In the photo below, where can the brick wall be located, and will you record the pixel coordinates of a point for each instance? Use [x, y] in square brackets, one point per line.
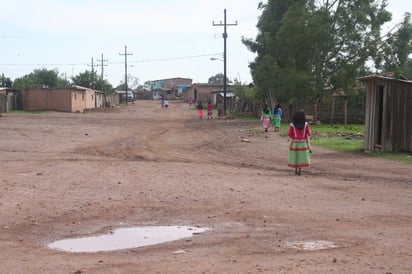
[68, 100]
[90, 99]
[34, 99]
[77, 101]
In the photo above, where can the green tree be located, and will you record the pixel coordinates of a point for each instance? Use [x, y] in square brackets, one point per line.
[5, 81]
[218, 79]
[88, 78]
[408, 72]
[304, 46]
[40, 78]
[395, 50]
[247, 97]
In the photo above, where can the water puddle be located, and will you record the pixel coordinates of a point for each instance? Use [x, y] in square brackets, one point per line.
[312, 245]
[124, 238]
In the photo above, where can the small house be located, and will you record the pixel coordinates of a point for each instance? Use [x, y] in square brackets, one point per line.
[71, 99]
[388, 114]
[208, 92]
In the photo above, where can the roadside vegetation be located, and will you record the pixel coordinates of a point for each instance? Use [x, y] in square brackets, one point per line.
[350, 139]
[337, 137]
[27, 112]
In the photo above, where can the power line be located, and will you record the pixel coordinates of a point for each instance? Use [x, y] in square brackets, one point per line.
[132, 61]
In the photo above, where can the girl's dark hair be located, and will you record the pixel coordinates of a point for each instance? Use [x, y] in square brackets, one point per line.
[266, 109]
[277, 107]
[299, 119]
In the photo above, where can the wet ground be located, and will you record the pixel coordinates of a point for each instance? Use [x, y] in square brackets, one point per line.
[67, 176]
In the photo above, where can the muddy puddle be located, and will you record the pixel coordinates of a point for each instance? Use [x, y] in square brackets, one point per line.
[124, 238]
[312, 245]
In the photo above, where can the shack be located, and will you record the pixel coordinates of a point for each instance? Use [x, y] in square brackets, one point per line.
[388, 113]
[70, 99]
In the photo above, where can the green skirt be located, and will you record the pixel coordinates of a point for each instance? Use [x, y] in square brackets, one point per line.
[299, 155]
[276, 122]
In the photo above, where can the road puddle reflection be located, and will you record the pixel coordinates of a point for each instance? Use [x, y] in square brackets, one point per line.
[124, 238]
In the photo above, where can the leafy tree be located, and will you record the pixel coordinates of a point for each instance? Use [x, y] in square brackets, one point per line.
[132, 83]
[88, 78]
[40, 78]
[5, 81]
[408, 73]
[84, 79]
[247, 97]
[304, 46]
[218, 79]
[395, 50]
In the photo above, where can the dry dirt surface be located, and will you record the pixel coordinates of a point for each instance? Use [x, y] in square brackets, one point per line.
[68, 175]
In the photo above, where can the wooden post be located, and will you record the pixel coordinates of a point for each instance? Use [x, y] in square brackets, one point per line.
[333, 111]
[345, 112]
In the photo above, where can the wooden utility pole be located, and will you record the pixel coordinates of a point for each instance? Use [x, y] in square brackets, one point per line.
[224, 55]
[102, 65]
[125, 67]
[92, 74]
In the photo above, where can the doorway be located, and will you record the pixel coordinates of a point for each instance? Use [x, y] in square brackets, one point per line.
[379, 117]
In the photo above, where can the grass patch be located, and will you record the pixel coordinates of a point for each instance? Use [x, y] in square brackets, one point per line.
[339, 143]
[335, 129]
[27, 112]
[350, 139]
[405, 157]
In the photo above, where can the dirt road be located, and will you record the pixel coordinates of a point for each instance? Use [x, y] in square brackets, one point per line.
[66, 175]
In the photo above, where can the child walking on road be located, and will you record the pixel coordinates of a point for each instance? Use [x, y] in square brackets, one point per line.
[200, 110]
[265, 118]
[277, 116]
[220, 111]
[299, 148]
[209, 111]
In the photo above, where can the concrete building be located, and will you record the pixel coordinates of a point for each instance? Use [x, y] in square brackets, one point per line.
[170, 88]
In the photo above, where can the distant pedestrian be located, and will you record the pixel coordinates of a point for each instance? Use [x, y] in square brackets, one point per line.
[166, 104]
[299, 147]
[277, 117]
[200, 110]
[190, 101]
[162, 102]
[209, 110]
[220, 111]
[265, 118]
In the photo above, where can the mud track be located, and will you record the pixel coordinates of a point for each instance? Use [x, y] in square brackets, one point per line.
[69, 175]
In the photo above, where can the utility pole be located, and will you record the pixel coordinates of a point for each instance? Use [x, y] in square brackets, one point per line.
[224, 55]
[92, 80]
[102, 65]
[125, 67]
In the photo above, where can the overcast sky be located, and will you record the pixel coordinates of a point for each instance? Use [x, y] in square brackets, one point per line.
[166, 38]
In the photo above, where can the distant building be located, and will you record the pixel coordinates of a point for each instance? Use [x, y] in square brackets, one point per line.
[170, 88]
[209, 92]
